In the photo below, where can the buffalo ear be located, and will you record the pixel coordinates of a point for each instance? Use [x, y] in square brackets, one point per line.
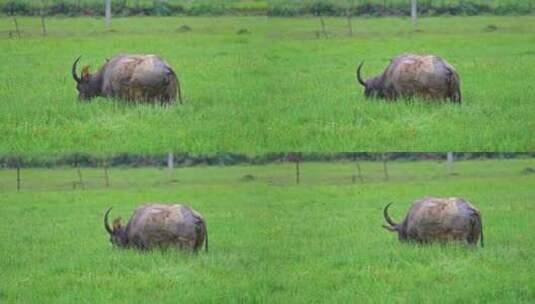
[85, 72]
[117, 223]
[389, 228]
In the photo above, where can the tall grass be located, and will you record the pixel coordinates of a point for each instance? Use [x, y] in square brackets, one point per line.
[270, 240]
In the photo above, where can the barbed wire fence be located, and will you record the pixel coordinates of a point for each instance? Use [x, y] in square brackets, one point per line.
[350, 171]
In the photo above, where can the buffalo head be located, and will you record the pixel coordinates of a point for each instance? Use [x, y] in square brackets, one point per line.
[87, 84]
[373, 87]
[392, 226]
[118, 235]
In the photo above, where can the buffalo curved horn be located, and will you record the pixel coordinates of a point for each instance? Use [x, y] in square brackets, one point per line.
[106, 224]
[388, 219]
[74, 74]
[359, 77]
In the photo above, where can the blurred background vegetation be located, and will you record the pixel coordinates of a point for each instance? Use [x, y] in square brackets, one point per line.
[266, 7]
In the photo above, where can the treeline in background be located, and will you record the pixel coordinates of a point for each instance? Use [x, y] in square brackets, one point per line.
[228, 159]
[264, 7]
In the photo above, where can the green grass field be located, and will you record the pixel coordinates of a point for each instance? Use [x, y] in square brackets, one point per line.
[278, 88]
[271, 241]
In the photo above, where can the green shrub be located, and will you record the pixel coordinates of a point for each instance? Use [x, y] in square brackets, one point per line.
[207, 9]
[14, 7]
[322, 8]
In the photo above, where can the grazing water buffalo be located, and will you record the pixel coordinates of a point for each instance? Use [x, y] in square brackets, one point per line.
[160, 226]
[129, 77]
[438, 219]
[429, 77]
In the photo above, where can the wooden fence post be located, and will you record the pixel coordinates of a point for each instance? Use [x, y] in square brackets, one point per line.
[385, 168]
[42, 15]
[297, 173]
[170, 161]
[295, 157]
[79, 173]
[107, 13]
[349, 25]
[106, 176]
[43, 27]
[359, 171]
[414, 14]
[80, 180]
[450, 162]
[323, 26]
[16, 26]
[18, 174]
